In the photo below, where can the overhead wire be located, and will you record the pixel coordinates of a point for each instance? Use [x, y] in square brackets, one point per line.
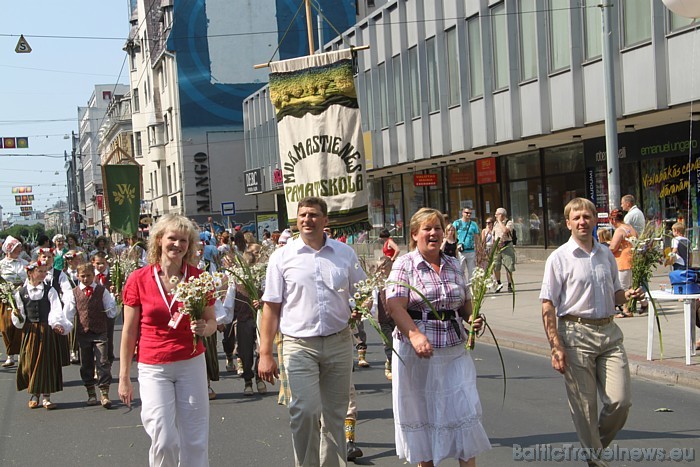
[253, 33]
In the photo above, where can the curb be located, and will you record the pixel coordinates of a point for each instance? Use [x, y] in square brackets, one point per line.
[639, 367]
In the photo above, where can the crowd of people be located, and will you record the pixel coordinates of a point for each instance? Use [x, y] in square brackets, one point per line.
[66, 308]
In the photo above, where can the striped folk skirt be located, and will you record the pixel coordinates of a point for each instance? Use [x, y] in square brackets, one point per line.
[39, 370]
[11, 336]
[211, 357]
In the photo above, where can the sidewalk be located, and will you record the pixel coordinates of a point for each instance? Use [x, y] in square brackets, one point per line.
[522, 329]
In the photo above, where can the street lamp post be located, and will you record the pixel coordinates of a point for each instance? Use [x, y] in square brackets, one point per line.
[610, 109]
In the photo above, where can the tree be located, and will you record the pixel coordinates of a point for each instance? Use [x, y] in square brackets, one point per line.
[27, 232]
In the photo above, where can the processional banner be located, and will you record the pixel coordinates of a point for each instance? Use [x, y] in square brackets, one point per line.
[320, 136]
[123, 189]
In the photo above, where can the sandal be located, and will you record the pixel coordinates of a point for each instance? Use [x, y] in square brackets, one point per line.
[33, 401]
[624, 315]
[48, 405]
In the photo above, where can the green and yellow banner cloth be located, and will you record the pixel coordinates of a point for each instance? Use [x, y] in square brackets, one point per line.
[122, 188]
[320, 136]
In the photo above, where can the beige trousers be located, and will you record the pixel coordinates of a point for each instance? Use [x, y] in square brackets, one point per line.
[596, 366]
[319, 371]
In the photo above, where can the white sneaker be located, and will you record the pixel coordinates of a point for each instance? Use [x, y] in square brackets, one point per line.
[499, 287]
[9, 362]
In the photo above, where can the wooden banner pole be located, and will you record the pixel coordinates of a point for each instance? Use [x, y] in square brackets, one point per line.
[309, 27]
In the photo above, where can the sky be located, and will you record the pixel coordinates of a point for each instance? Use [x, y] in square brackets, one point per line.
[40, 92]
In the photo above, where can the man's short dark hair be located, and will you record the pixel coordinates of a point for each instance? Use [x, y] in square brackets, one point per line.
[42, 239]
[313, 201]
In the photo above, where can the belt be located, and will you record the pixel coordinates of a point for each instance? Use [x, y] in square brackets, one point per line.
[336, 333]
[589, 321]
[446, 315]
[319, 337]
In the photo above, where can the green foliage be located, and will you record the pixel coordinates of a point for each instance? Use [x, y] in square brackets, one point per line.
[25, 231]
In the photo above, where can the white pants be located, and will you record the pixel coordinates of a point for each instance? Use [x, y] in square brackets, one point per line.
[175, 412]
[319, 371]
[468, 264]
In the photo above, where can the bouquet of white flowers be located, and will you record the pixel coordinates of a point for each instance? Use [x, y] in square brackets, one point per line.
[121, 266]
[195, 293]
[7, 296]
[250, 276]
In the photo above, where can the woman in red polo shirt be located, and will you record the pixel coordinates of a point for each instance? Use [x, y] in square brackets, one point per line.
[172, 377]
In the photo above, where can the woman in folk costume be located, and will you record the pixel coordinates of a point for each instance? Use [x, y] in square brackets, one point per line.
[58, 280]
[12, 270]
[40, 317]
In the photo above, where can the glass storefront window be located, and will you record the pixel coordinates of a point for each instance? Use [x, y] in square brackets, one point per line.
[564, 159]
[559, 190]
[436, 195]
[376, 207]
[461, 198]
[393, 207]
[526, 211]
[666, 198]
[524, 165]
[414, 198]
[459, 177]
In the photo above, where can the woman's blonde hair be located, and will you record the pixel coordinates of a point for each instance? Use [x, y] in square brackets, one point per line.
[176, 223]
[604, 236]
[422, 216]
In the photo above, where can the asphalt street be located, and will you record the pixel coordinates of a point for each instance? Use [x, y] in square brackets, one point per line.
[254, 431]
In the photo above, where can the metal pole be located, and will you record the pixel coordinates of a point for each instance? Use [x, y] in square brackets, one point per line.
[610, 110]
[309, 27]
[319, 25]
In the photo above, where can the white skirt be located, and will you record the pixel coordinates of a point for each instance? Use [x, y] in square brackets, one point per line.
[437, 412]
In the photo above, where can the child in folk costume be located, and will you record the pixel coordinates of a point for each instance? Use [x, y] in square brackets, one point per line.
[99, 262]
[91, 304]
[39, 368]
[12, 270]
[73, 259]
[60, 283]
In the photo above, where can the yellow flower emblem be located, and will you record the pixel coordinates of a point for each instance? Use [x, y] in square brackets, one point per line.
[124, 193]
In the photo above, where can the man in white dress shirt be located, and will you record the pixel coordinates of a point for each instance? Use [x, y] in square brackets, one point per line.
[307, 291]
[581, 283]
[634, 216]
